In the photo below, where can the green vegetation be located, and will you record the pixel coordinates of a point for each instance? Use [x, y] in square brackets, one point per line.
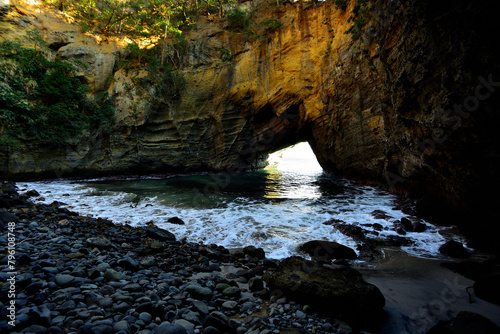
[161, 74]
[270, 24]
[226, 55]
[359, 18]
[42, 100]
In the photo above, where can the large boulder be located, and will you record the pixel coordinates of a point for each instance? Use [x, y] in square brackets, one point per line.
[327, 250]
[454, 249]
[339, 292]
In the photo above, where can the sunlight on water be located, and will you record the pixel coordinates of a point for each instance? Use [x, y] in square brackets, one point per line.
[291, 173]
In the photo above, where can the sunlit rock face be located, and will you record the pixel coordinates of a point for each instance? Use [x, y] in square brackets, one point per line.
[372, 107]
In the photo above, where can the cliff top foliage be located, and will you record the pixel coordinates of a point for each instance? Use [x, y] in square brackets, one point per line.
[42, 99]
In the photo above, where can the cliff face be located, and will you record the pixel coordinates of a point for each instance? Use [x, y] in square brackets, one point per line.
[411, 102]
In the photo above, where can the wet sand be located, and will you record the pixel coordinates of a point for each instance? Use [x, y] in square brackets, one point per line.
[419, 292]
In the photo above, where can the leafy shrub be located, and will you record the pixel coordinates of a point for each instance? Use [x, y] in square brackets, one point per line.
[238, 19]
[40, 99]
[271, 24]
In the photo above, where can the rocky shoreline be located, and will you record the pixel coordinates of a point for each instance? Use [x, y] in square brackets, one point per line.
[75, 274]
[85, 275]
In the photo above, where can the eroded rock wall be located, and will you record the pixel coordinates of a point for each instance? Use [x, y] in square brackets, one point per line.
[374, 108]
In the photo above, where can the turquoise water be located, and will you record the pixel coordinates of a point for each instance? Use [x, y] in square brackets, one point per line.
[277, 209]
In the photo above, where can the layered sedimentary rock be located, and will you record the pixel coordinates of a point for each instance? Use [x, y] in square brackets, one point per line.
[409, 102]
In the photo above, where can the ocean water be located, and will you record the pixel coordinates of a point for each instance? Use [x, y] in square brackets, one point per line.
[277, 208]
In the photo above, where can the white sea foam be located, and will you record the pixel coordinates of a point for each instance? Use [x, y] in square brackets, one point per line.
[278, 227]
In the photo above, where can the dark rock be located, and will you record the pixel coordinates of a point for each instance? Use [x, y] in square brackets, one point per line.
[454, 249]
[350, 230]
[419, 227]
[99, 242]
[211, 330]
[199, 292]
[340, 291]
[192, 317]
[121, 326]
[186, 324]
[36, 329]
[487, 287]
[218, 320]
[64, 280]
[200, 307]
[102, 329]
[40, 315]
[398, 227]
[465, 323]
[396, 241]
[31, 193]
[232, 291]
[255, 284]
[121, 307]
[159, 234]
[168, 328]
[132, 287]
[255, 252]
[128, 263]
[176, 221]
[379, 214]
[406, 224]
[327, 250]
[7, 217]
[105, 303]
[67, 306]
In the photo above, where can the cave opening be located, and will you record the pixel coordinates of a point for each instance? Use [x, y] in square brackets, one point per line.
[294, 158]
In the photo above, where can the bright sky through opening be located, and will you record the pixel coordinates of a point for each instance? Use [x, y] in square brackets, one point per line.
[297, 158]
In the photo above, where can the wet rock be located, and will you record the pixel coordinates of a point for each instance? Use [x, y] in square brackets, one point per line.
[64, 280]
[186, 324]
[327, 250]
[339, 291]
[36, 329]
[159, 234]
[146, 317]
[168, 328]
[406, 224]
[199, 292]
[255, 284]
[111, 275]
[176, 221]
[201, 307]
[128, 263]
[232, 291]
[211, 330]
[454, 249]
[253, 251]
[102, 329]
[419, 227]
[40, 315]
[353, 231]
[7, 217]
[218, 320]
[121, 326]
[99, 242]
[230, 305]
[465, 322]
